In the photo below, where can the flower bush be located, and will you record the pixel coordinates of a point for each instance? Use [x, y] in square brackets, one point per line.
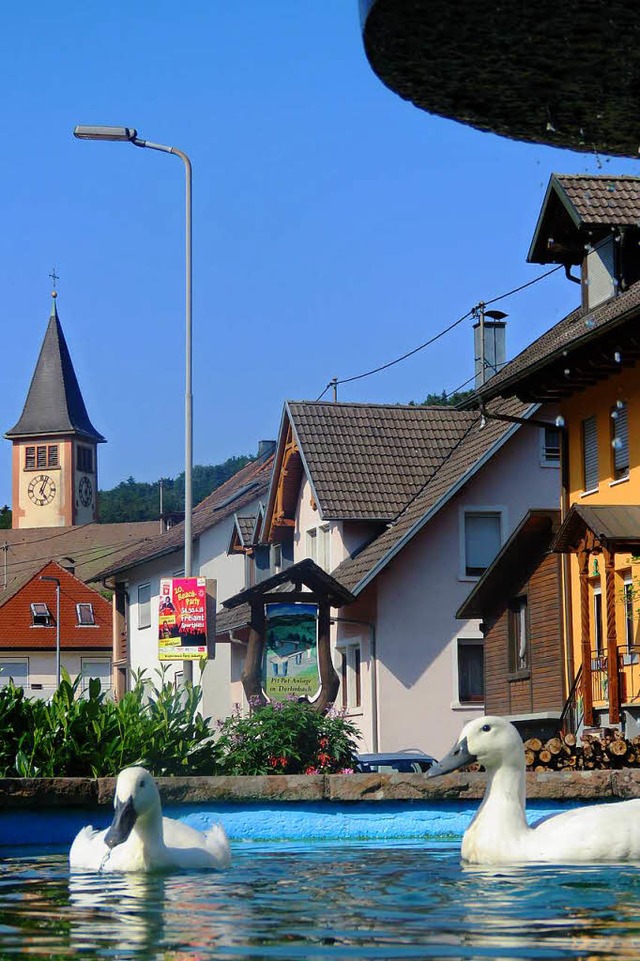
[287, 738]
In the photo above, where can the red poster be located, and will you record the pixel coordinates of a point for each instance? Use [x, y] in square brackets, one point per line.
[182, 619]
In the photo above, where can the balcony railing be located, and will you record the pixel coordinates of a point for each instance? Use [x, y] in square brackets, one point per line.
[628, 675]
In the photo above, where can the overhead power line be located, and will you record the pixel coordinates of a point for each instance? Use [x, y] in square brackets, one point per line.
[376, 370]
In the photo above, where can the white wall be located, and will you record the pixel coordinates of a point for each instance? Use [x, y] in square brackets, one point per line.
[420, 591]
[210, 559]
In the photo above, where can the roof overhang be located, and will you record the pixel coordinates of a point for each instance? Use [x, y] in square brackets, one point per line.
[305, 573]
[558, 72]
[615, 528]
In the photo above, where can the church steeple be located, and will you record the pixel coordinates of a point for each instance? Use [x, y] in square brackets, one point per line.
[54, 443]
[54, 403]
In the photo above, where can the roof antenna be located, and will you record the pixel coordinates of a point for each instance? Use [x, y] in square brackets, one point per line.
[334, 383]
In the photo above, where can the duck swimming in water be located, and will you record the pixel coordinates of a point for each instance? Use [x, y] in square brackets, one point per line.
[141, 839]
[499, 832]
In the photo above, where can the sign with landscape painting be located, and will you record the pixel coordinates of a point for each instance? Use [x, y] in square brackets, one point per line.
[291, 651]
[182, 619]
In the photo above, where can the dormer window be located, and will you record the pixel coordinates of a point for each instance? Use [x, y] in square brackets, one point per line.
[40, 615]
[86, 617]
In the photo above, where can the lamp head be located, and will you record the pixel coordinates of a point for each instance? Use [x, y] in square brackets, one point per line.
[105, 133]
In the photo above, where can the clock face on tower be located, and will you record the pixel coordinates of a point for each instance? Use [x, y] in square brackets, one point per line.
[85, 491]
[41, 490]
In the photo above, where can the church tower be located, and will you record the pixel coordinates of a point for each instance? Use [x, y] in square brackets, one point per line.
[55, 469]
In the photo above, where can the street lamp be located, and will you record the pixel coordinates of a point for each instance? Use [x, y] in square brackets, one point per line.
[48, 577]
[130, 135]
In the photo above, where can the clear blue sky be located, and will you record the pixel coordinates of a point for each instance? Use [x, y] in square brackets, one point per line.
[335, 226]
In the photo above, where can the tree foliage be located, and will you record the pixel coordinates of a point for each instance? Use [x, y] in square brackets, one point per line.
[133, 500]
[5, 518]
[444, 400]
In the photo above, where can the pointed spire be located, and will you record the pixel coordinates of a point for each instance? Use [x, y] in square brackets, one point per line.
[54, 403]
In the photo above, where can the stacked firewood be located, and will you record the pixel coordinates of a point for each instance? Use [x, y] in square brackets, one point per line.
[595, 752]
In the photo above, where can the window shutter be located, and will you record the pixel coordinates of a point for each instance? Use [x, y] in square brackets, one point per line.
[620, 441]
[590, 444]
[481, 541]
[601, 272]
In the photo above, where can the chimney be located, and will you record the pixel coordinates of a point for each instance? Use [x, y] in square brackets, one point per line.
[266, 447]
[68, 564]
[489, 341]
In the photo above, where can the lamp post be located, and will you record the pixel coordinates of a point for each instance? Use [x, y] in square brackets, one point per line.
[48, 577]
[130, 135]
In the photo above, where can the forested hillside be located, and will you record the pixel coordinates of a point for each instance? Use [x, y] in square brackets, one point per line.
[135, 500]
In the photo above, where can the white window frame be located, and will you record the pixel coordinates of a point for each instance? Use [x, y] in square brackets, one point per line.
[144, 607]
[349, 668]
[92, 614]
[465, 641]
[546, 458]
[85, 670]
[628, 607]
[474, 510]
[40, 609]
[318, 545]
[598, 621]
[5, 676]
[620, 441]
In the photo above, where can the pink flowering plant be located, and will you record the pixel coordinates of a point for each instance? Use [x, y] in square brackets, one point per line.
[285, 738]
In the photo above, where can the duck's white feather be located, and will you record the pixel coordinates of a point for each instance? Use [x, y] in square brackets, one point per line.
[499, 832]
[156, 843]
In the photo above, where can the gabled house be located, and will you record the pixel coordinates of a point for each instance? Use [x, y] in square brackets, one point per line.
[518, 602]
[33, 639]
[135, 579]
[588, 365]
[405, 507]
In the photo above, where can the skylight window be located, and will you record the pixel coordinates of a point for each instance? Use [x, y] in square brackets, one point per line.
[41, 615]
[86, 617]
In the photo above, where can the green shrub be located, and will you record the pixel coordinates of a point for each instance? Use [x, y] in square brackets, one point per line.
[288, 738]
[153, 725]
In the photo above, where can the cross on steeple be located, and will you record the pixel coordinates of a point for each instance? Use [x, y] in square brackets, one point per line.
[54, 277]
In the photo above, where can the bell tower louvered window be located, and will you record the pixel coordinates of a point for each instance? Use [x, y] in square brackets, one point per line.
[620, 440]
[590, 453]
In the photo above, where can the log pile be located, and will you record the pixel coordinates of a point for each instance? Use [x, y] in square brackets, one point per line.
[594, 752]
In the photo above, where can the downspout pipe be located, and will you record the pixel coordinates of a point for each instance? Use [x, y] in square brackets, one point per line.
[374, 674]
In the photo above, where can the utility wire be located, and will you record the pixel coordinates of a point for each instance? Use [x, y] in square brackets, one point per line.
[376, 370]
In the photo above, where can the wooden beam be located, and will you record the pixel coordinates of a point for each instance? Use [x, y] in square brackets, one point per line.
[612, 641]
[585, 639]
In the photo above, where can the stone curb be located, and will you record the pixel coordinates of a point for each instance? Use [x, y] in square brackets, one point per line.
[545, 785]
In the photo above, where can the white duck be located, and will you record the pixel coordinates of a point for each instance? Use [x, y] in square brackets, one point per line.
[140, 839]
[499, 832]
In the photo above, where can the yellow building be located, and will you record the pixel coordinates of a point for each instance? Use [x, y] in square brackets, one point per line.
[588, 364]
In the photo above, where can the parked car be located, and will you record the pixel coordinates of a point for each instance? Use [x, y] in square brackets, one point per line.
[406, 762]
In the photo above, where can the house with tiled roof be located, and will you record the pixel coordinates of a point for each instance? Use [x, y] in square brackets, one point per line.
[404, 506]
[54, 500]
[588, 364]
[134, 577]
[50, 620]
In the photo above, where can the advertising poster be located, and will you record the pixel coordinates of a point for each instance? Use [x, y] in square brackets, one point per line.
[182, 619]
[291, 651]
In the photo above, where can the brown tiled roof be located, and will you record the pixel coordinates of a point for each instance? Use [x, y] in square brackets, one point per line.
[365, 461]
[246, 525]
[90, 546]
[250, 482]
[577, 329]
[610, 201]
[469, 454]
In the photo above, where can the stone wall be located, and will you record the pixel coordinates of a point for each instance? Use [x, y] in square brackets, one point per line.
[337, 788]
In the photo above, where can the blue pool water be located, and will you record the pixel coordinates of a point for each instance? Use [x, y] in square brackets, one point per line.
[324, 900]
